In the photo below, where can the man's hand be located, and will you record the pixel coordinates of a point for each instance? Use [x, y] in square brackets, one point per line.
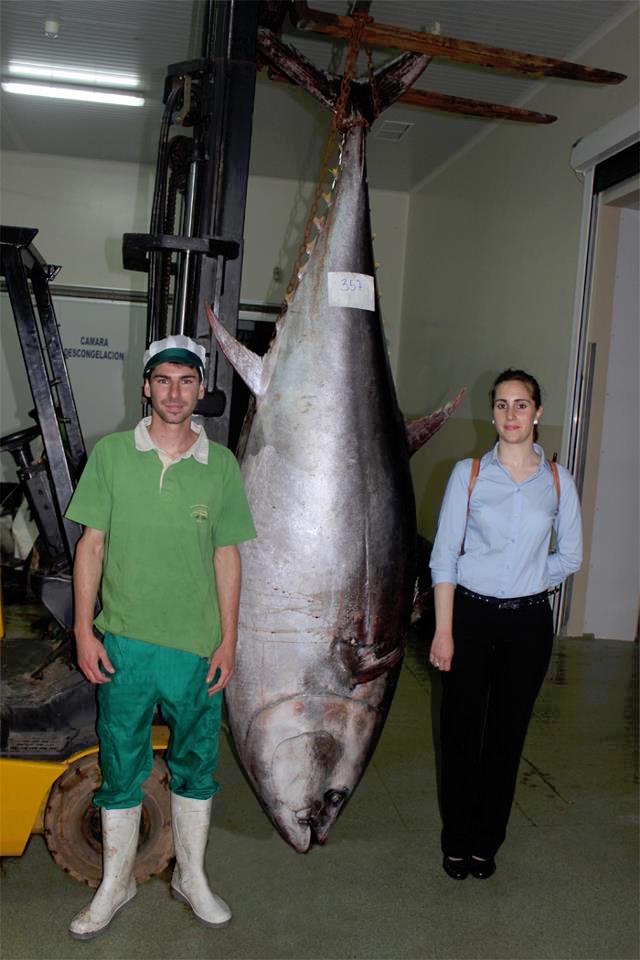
[87, 571]
[228, 570]
[223, 659]
[91, 653]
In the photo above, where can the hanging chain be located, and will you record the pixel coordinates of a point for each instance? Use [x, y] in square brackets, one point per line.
[339, 123]
[360, 21]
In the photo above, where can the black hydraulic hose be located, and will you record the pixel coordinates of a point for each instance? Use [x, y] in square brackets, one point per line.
[157, 215]
[205, 52]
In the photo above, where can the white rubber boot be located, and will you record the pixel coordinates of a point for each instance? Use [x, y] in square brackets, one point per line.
[190, 821]
[120, 829]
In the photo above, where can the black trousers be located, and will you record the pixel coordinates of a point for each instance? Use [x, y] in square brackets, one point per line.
[500, 660]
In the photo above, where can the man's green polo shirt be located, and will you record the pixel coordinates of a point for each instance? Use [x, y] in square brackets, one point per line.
[162, 525]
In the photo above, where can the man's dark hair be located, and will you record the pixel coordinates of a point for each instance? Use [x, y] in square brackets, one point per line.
[176, 363]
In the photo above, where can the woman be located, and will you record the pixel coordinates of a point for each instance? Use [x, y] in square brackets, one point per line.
[492, 570]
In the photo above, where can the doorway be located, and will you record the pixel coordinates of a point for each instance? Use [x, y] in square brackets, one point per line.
[600, 436]
[604, 595]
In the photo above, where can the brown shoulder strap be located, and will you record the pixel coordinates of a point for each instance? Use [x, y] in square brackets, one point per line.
[475, 470]
[473, 476]
[556, 478]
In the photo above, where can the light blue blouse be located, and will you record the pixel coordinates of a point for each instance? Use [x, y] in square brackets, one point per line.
[508, 531]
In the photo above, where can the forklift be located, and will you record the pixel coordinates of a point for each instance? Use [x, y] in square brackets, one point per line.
[49, 767]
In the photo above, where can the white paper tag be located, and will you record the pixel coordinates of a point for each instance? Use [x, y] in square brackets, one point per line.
[353, 290]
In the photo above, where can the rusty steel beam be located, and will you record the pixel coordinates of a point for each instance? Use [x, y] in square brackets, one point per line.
[473, 108]
[431, 101]
[448, 48]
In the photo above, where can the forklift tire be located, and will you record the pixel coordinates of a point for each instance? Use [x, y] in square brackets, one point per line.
[72, 825]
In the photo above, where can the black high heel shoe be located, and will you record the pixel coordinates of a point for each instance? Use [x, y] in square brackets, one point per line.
[482, 869]
[457, 869]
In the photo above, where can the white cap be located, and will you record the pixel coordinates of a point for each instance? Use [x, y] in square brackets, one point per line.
[176, 349]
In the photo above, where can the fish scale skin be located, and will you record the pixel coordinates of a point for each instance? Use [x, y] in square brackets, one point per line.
[328, 583]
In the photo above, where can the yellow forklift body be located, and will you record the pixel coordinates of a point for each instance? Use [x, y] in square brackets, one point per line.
[25, 787]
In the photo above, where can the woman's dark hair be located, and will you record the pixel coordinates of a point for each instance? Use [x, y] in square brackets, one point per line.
[530, 382]
[523, 377]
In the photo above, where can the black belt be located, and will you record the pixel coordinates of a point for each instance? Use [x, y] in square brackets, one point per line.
[509, 603]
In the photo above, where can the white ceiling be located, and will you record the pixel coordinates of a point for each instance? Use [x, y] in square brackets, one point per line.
[144, 36]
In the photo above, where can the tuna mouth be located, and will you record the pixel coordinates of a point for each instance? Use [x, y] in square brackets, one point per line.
[305, 827]
[318, 814]
[315, 836]
[298, 833]
[318, 837]
[317, 811]
[305, 816]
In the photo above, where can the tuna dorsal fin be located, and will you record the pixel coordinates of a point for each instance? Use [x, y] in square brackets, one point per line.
[419, 431]
[244, 361]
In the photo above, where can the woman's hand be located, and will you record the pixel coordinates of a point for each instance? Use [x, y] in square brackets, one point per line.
[442, 644]
[441, 653]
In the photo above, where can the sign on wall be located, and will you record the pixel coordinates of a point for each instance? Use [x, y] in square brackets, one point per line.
[103, 343]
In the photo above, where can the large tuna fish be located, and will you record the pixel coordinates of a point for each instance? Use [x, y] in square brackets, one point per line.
[328, 584]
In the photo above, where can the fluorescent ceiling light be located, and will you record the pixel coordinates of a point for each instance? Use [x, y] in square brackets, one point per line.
[72, 93]
[44, 71]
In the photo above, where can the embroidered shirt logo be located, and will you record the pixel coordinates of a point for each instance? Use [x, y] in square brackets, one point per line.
[200, 512]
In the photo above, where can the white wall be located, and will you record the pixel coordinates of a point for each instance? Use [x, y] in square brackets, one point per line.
[82, 208]
[491, 264]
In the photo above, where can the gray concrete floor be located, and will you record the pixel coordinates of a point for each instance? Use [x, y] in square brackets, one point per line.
[567, 879]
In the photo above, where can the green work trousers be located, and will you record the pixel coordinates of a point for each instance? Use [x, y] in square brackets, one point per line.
[148, 675]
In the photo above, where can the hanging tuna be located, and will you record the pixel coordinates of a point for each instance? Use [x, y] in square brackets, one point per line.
[328, 584]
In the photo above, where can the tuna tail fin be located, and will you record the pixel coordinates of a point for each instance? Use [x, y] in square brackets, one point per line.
[391, 80]
[245, 362]
[288, 61]
[394, 78]
[419, 431]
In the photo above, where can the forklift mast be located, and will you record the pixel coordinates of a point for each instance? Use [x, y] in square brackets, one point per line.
[193, 251]
[47, 481]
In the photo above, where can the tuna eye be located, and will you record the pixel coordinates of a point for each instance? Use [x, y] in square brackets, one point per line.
[334, 797]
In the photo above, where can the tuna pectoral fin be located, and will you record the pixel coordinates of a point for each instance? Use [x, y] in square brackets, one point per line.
[371, 667]
[419, 431]
[422, 604]
[244, 361]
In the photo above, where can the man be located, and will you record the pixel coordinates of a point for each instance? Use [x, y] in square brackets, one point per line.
[163, 509]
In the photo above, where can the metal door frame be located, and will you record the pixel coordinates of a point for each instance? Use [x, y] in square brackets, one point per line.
[587, 153]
